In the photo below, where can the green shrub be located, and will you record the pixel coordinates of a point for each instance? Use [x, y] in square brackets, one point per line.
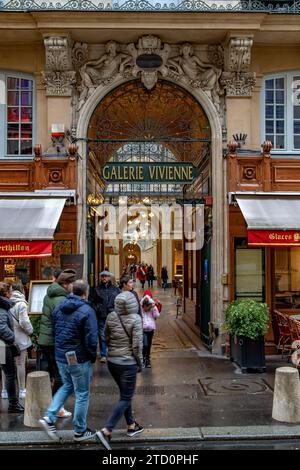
[247, 318]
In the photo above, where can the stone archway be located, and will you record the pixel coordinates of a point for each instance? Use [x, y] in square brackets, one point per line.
[219, 240]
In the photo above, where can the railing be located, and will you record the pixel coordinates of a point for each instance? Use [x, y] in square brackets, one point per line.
[229, 6]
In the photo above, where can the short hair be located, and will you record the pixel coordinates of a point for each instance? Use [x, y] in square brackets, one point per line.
[18, 287]
[80, 287]
[4, 288]
[57, 272]
[124, 280]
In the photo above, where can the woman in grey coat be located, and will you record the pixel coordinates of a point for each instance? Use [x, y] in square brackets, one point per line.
[7, 336]
[124, 337]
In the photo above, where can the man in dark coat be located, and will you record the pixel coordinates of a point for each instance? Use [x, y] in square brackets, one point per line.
[75, 337]
[103, 301]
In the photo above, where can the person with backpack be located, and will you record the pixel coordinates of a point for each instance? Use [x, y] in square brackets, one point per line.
[103, 301]
[149, 313]
[23, 329]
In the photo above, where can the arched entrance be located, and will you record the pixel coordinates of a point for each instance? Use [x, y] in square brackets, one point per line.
[182, 131]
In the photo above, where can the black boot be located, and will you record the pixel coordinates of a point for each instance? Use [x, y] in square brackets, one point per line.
[15, 406]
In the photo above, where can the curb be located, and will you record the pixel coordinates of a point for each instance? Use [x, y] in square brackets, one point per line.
[228, 433]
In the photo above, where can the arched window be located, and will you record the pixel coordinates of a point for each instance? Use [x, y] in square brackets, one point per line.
[16, 114]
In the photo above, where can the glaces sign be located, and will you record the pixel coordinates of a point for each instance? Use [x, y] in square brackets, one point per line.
[176, 172]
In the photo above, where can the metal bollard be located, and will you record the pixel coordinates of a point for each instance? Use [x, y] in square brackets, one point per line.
[38, 397]
[286, 399]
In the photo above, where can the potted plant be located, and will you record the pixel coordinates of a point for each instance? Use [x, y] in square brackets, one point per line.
[247, 321]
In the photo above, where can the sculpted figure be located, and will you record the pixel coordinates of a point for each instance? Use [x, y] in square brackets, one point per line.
[196, 70]
[95, 71]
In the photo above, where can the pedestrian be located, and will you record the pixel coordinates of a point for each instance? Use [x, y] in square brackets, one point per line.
[127, 285]
[103, 300]
[158, 303]
[75, 336]
[141, 274]
[22, 329]
[124, 334]
[164, 277]
[149, 313]
[150, 275]
[56, 293]
[8, 349]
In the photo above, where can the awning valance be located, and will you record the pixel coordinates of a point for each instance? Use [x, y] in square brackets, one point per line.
[272, 220]
[29, 219]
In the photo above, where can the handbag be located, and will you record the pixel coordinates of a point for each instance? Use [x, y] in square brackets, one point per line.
[15, 350]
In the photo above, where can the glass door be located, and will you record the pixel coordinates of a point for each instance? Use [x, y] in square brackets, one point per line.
[249, 271]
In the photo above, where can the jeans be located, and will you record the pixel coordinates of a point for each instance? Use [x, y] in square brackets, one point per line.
[147, 343]
[47, 363]
[125, 378]
[101, 334]
[9, 369]
[77, 379]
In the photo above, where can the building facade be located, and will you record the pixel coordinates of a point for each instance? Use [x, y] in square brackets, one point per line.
[136, 83]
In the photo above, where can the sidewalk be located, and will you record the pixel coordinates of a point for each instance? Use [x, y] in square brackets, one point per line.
[188, 395]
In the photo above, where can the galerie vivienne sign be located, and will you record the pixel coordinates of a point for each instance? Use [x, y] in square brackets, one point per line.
[177, 172]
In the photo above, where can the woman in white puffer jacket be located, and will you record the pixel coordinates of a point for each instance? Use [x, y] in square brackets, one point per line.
[22, 329]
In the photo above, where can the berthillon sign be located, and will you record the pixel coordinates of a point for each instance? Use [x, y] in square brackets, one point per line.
[176, 173]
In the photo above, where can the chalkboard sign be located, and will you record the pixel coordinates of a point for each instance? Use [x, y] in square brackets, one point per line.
[73, 262]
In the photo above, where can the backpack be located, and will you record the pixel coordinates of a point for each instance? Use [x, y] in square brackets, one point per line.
[158, 304]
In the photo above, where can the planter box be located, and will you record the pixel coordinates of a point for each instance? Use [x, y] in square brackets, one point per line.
[248, 354]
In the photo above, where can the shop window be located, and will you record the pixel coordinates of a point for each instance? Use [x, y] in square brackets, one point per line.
[16, 115]
[249, 271]
[281, 111]
[287, 277]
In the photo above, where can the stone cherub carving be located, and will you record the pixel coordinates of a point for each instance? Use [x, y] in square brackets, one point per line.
[198, 73]
[95, 72]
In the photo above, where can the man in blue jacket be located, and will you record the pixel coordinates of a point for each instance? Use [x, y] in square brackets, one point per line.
[75, 339]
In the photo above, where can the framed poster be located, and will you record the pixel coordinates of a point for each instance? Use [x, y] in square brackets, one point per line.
[37, 292]
[73, 262]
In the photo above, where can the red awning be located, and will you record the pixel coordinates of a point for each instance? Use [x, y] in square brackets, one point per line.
[274, 238]
[25, 249]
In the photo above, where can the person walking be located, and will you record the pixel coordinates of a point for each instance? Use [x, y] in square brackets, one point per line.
[149, 313]
[124, 334]
[150, 276]
[127, 285]
[102, 301]
[7, 336]
[76, 338]
[22, 329]
[56, 293]
[164, 277]
[142, 274]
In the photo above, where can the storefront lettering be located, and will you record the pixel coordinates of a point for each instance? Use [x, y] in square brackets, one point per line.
[14, 248]
[147, 173]
[277, 236]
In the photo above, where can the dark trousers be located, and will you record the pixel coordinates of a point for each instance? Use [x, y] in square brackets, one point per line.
[9, 370]
[47, 363]
[147, 343]
[125, 378]
[150, 282]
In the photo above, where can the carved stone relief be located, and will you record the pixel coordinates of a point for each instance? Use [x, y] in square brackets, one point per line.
[237, 79]
[149, 59]
[59, 76]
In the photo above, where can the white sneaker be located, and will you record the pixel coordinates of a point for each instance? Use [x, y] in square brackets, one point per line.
[22, 393]
[62, 413]
[49, 428]
[4, 394]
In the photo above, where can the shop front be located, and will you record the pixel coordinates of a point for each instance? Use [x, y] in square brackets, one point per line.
[265, 239]
[33, 237]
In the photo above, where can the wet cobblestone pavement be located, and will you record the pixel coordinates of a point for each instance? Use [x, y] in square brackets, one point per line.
[186, 387]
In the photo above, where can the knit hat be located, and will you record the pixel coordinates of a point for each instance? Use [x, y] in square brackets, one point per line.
[148, 300]
[67, 276]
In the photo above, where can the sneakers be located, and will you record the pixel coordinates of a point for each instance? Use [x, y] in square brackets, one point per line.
[104, 439]
[84, 436]
[136, 430]
[62, 413]
[103, 360]
[49, 428]
[15, 407]
[148, 364]
[22, 393]
[4, 394]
